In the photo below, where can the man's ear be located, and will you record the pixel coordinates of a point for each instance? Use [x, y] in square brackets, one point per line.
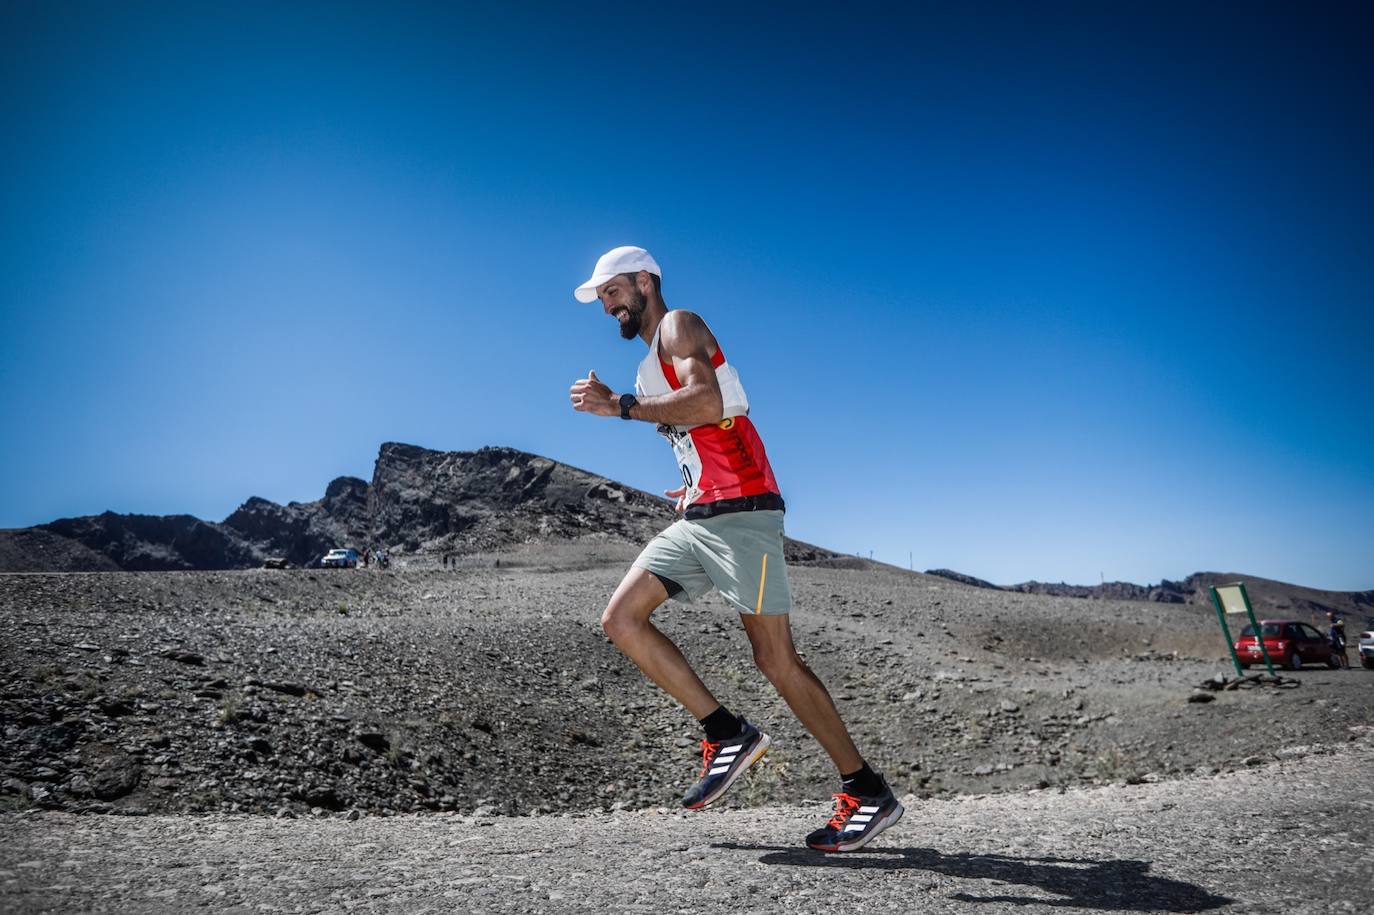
[645, 283]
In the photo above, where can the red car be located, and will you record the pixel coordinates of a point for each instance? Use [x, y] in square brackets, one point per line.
[1291, 643]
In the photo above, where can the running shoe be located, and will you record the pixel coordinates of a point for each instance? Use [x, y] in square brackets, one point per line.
[724, 761]
[857, 821]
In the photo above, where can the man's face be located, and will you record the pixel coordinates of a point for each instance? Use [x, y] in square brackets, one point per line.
[622, 300]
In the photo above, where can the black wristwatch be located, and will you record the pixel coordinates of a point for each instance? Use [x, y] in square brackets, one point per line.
[626, 402]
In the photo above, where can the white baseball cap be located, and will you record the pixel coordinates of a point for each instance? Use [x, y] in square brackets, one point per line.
[625, 259]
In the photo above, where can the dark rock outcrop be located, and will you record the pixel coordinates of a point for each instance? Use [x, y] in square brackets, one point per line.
[462, 501]
[156, 543]
[963, 579]
[1166, 592]
[303, 531]
[33, 549]
[419, 501]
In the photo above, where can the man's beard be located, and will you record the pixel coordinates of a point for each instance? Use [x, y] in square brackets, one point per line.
[635, 314]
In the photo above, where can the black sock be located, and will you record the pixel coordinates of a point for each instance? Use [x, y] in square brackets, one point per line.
[721, 725]
[864, 783]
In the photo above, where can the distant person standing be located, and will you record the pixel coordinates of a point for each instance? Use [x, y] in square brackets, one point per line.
[730, 538]
[1336, 633]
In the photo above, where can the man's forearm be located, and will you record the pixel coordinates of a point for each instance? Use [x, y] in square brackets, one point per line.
[687, 406]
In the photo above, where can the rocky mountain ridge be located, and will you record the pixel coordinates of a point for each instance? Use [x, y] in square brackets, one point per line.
[420, 502]
[1268, 597]
[437, 505]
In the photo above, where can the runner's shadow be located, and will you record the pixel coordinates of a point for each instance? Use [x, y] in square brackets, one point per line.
[1118, 886]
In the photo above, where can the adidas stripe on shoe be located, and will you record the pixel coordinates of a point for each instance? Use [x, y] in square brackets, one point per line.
[857, 821]
[724, 761]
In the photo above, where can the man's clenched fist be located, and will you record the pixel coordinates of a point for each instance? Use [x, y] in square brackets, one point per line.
[590, 395]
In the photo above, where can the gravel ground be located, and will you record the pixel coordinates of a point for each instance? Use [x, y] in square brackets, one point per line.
[494, 689]
[1288, 837]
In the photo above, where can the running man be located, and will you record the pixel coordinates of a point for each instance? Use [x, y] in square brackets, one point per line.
[729, 538]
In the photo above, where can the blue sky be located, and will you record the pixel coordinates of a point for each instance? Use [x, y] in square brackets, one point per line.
[1054, 293]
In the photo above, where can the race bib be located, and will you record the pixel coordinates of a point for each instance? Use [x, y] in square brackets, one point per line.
[688, 461]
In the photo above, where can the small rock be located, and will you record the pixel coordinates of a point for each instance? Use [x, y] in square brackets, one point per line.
[115, 777]
[374, 740]
[1199, 695]
[290, 689]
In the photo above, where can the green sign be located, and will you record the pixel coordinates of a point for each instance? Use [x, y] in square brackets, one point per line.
[1232, 600]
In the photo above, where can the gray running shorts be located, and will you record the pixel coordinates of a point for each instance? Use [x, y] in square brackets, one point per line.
[739, 554]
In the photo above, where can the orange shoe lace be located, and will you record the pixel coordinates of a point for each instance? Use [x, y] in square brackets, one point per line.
[707, 749]
[845, 804]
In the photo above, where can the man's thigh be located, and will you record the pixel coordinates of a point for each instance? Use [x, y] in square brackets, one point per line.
[637, 596]
[674, 555]
[743, 555]
[770, 634]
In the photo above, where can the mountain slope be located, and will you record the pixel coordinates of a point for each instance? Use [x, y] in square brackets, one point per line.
[1269, 598]
[419, 501]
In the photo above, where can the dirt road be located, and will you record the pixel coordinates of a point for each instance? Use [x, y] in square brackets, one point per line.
[1292, 836]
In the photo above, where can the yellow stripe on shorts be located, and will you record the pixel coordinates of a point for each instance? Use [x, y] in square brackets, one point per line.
[763, 577]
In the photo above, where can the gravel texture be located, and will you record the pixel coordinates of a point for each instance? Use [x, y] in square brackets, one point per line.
[426, 739]
[1289, 837]
[282, 692]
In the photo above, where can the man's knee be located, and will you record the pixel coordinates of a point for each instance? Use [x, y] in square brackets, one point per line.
[616, 622]
[638, 596]
[623, 618]
[777, 663]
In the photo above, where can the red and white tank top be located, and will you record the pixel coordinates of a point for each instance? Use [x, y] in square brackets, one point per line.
[723, 460]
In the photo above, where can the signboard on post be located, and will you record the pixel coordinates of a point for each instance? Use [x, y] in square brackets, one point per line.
[1231, 600]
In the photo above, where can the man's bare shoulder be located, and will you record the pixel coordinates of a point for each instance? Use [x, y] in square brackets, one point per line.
[685, 334]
